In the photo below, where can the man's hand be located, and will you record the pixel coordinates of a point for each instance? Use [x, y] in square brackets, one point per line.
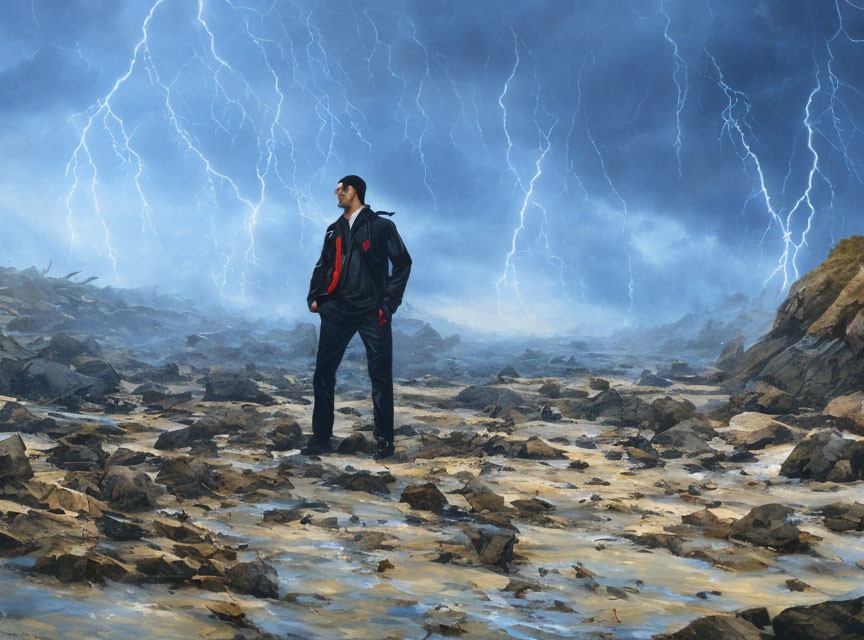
[314, 306]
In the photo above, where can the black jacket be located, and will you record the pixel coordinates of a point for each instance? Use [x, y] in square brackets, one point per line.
[354, 268]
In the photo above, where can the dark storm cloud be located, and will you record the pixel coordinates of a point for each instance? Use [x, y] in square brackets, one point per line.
[410, 96]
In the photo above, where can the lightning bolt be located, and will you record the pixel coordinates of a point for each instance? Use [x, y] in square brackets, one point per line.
[509, 275]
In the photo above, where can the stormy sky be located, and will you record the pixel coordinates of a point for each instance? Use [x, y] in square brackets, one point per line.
[554, 166]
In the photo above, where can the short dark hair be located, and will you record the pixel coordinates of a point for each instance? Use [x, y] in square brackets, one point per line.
[359, 185]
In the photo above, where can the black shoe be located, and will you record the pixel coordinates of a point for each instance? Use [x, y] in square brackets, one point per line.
[316, 447]
[385, 450]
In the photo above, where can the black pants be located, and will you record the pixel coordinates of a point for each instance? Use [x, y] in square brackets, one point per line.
[338, 326]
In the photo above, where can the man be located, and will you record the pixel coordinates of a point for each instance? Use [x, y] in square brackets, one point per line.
[353, 291]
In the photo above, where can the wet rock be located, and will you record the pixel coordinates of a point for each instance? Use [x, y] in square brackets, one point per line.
[124, 488]
[813, 347]
[79, 452]
[598, 384]
[550, 414]
[384, 565]
[715, 628]
[519, 587]
[579, 465]
[764, 398]
[286, 436]
[76, 563]
[461, 444]
[481, 497]
[14, 464]
[843, 516]
[475, 397]
[56, 497]
[492, 545]
[650, 379]
[185, 436]
[732, 355]
[371, 540]
[769, 525]
[849, 407]
[757, 616]
[118, 527]
[180, 530]
[151, 392]
[687, 436]
[227, 385]
[47, 380]
[364, 481]
[204, 449]
[64, 348]
[99, 369]
[188, 477]
[227, 611]
[641, 456]
[16, 417]
[125, 457]
[166, 567]
[825, 455]
[832, 620]
[754, 431]
[356, 443]
[532, 506]
[550, 390]
[256, 578]
[426, 497]
[10, 543]
[797, 586]
[537, 449]
[668, 412]
[507, 372]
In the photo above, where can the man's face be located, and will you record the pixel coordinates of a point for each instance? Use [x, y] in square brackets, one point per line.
[344, 194]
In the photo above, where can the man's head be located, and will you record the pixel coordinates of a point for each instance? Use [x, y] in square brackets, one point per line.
[350, 192]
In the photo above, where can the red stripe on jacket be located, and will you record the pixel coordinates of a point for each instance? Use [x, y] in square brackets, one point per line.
[337, 267]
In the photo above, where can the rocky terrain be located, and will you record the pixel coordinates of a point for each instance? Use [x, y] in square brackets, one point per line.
[151, 484]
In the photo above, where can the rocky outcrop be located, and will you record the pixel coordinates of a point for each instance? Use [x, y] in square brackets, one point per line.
[833, 620]
[227, 385]
[826, 455]
[815, 350]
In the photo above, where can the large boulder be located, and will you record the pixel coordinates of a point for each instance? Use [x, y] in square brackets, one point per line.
[732, 354]
[832, 620]
[427, 497]
[99, 369]
[64, 348]
[826, 455]
[769, 525]
[185, 436]
[16, 417]
[669, 412]
[227, 385]
[47, 379]
[124, 488]
[843, 516]
[492, 545]
[849, 407]
[718, 627]
[14, 464]
[256, 578]
[753, 430]
[764, 398]
[475, 397]
[814, 350]
[689, 436]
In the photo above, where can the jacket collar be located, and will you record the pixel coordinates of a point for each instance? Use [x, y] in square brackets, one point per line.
[364, 212]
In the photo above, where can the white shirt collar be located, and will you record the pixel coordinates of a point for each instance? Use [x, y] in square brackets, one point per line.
[353, 216]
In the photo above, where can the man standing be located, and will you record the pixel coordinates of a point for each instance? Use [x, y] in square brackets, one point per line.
[353, 290]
